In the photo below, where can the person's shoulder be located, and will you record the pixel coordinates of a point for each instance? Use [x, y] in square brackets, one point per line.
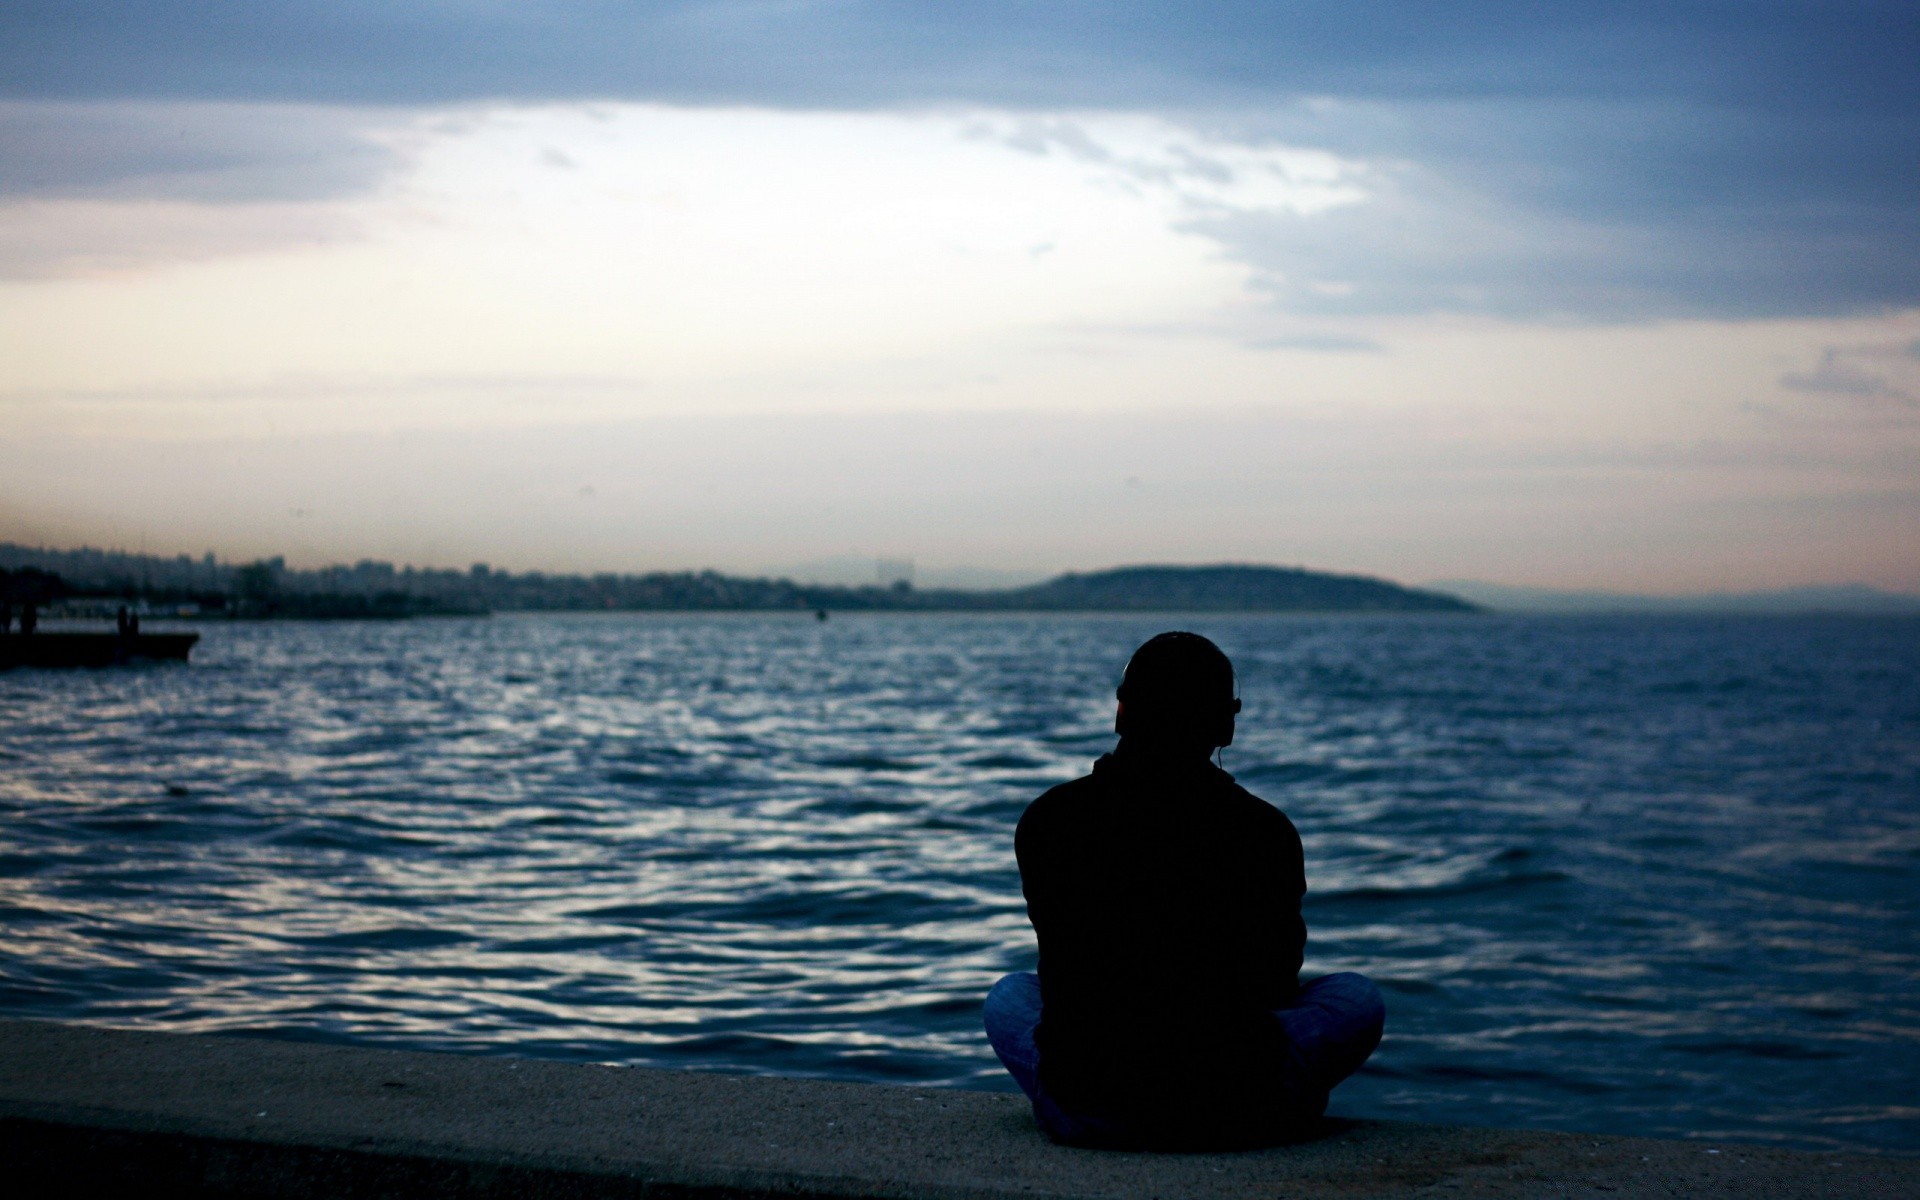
[1264, 814]
[1061, 799]
[1061, 806]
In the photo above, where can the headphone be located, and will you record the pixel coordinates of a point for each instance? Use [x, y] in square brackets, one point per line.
[1224, 715]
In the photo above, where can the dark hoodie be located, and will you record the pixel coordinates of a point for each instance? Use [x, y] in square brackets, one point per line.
[1166, 900]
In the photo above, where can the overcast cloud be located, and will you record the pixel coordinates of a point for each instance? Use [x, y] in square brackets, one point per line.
[1597, 161]
[208, 153]
[1592, 294]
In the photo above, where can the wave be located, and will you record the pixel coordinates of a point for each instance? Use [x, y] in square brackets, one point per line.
[1758, 1048]
[890, 908]
[391, 938]
[1438, 891]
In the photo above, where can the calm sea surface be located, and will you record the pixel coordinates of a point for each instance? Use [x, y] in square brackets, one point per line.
[1634, 875]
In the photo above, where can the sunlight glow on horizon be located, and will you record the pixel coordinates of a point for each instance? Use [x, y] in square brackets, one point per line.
[886, 289]
[668, 248]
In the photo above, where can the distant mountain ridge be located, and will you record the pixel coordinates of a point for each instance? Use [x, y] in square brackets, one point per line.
[1832, 598]
[1227, 587]
[377, 589]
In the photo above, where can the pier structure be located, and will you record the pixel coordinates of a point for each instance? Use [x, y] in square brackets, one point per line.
[91, 649]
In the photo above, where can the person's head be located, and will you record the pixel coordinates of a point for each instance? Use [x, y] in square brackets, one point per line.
[1177, 695]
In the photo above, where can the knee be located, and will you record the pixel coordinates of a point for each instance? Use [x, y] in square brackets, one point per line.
[1012, 1003]
[1359, 996]
[1019, 988]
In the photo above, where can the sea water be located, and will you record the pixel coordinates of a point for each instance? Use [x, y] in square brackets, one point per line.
[1632, 875]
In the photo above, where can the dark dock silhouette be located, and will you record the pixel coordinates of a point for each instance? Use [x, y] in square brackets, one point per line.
[91, 649]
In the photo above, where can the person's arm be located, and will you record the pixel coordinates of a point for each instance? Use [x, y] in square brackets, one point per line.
[1296, 923]
[1030, 853]
[1283, 930]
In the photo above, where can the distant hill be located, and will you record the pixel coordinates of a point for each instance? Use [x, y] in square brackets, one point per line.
[270, 588]
[1842, 598]
[1226, 588]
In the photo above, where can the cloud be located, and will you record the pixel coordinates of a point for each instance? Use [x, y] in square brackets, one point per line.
[205, 153]
[1522, 210]
[39, 240]
[1874, 371]
[1325, 343]
[1602, 161]
[110, 186]
[866, 53]
[1591, 209]
[1194, 174]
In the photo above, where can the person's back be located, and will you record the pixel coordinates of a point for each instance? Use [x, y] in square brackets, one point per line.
[1165, 898]
[1166, 902]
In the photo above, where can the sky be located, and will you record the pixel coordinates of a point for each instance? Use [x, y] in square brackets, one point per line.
[1619, 295]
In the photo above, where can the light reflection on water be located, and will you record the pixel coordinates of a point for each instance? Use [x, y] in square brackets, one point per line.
[1634, 875]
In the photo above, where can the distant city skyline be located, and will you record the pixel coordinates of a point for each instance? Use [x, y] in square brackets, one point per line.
[1621, 297]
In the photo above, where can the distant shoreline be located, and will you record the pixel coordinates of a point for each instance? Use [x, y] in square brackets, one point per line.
[1843, 599]
[208, 588]
[372, 590]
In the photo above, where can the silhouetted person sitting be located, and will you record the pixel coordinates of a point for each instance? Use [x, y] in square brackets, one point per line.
[29, 618]
[1168, 1010]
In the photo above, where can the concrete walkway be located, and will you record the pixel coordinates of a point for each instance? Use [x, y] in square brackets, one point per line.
[148, 1115]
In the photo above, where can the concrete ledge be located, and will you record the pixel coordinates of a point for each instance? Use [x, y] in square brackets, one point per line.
[159, 1115]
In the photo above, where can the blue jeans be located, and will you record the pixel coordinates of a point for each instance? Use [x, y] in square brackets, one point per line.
[1331, 1027]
